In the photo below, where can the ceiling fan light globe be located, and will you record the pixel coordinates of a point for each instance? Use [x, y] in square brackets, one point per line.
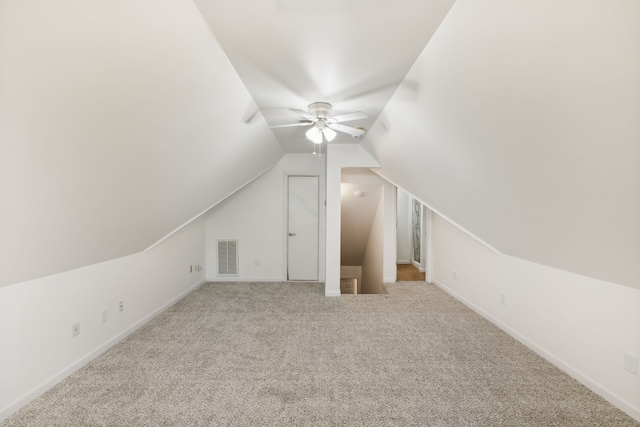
[314, 135]
[330, 134]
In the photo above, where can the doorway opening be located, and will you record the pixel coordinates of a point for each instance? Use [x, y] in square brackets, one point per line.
[413, 235]
[362, 232]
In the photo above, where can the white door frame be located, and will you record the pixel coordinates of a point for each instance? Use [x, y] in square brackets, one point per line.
[321, 223]
[428, 242]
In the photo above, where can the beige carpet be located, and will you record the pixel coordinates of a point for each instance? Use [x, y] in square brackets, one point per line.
[282, 354]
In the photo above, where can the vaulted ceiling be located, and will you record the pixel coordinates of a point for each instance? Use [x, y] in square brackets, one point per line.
[524, 131]
[121, 121]
[350, 53]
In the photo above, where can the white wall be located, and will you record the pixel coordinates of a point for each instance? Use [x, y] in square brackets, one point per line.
[403, 233]
[519, 122]
[119, 122]
[36, 343]
[583, 325]
[357, 215]
[372, 261]
[256, 216]
[389, 266]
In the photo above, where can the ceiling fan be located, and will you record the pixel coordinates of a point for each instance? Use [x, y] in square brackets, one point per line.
[324, 124]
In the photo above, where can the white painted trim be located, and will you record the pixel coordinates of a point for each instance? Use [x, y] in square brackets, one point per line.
[417, 265]
[285, 225]
[429, 243]
[617, 401]
[37, 391]
[423, 238]
[403, 261]
[211, 207]
[390, 252]
[321, 220]
[441, 215]
[248, 279]
[408, 230]
[332, 293]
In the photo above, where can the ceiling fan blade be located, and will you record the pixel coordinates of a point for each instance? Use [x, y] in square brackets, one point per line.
[304, 114]
[300, 123]
[357, 115]
[346, 129]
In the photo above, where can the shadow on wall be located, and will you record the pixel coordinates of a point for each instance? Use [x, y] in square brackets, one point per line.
[362, 232]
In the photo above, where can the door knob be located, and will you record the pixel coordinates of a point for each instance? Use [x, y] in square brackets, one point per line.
[292, 234]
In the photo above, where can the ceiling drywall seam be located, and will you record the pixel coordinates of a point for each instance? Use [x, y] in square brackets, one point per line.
[212, 206]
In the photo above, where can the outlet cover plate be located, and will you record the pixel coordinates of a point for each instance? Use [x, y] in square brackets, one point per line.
[75, 329]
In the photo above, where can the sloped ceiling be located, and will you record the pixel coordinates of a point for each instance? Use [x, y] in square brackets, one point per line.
[350, 53]
[119, 121]
[525, 131]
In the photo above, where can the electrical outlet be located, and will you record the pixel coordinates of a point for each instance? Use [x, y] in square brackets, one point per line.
[75, 330]
[503, 299]
[191, 269]
[455, 275]
[121, 306]
[104, 315]
[257, 263]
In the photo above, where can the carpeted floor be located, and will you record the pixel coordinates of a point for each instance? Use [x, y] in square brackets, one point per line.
[283, 354]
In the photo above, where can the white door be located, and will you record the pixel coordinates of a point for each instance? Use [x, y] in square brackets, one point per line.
[302, 229]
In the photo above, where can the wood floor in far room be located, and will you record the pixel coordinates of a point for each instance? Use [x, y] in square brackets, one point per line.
[409, 273]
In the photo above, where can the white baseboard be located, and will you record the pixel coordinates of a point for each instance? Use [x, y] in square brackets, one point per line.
[245, 279]
[389, 279]
[403, 261]
[16, 405]
[332, 293]
[620, 403]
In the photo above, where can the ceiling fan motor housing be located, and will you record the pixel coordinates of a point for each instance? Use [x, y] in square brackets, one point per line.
[320, 109]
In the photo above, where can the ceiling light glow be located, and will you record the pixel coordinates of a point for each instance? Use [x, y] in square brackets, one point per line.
[314, 135]
[330, 134]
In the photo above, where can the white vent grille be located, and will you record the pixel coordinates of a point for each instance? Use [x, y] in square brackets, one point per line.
[227, 257]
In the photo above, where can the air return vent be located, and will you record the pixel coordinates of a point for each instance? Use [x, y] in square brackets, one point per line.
[227, 257]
